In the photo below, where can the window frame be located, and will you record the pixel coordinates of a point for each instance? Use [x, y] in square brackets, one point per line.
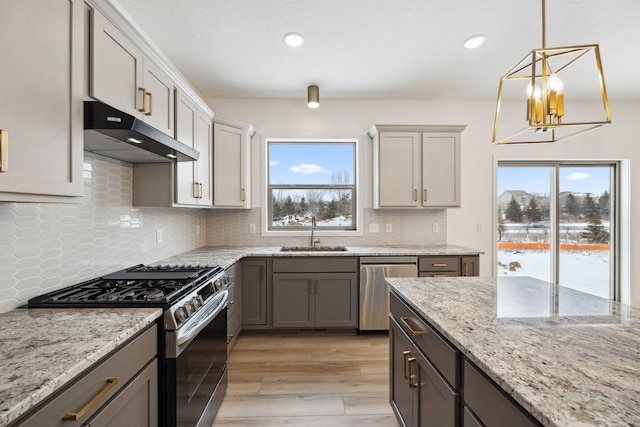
[616, 194]
[355, 229]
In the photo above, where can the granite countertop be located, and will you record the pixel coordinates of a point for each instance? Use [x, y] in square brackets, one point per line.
[227, 256]
[569, 358]
[43, 349]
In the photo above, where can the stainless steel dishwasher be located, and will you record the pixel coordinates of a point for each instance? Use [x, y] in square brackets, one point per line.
[374, 292]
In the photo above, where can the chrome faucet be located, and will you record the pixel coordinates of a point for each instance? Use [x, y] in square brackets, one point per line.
[314, 239]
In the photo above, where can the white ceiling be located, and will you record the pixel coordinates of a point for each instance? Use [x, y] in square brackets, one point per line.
[381, 49]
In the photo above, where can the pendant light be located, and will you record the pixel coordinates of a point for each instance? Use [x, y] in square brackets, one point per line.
[313, 97]
[543, 81]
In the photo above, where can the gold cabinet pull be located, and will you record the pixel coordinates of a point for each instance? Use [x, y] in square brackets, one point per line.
[405, 322]
[4, 150]
[73, 416]
[411, 360]
[439, 265]
[144, 100]
[415, 194]
[200, 189]
[148, 113]
[195, 190]
[466, 268]
[426, 195]
[405, 354]
[244, 194]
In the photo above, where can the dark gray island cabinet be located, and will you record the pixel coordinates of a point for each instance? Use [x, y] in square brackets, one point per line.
[315, 292]
[433, 384]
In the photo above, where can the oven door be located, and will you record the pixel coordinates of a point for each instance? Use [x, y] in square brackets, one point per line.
[196, 376]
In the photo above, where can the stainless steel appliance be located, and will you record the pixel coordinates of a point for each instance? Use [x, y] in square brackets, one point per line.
[192, 332]
[374, 292]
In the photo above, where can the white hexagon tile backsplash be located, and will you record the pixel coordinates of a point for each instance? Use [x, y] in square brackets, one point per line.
[44, 247]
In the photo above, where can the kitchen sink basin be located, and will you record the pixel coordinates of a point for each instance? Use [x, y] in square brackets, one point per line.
[313, 249]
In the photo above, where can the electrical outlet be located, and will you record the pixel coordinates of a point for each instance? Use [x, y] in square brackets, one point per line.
[374, 228]
[159, 235]
[479, 227]
[252, 228]
[388, 228]
[435, 227]
[197, 229]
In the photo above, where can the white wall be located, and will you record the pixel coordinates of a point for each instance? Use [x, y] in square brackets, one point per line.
[346, 118]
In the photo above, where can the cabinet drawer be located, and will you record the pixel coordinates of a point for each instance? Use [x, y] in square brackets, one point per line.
[232, 302]
[316, 265]
[443, 356]
[469, 420]
[124, 364]
[440, 263]
[438, 274]
[489, 403]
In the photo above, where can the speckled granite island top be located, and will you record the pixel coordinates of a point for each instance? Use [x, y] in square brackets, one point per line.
[569, 358]
[226, 256]
[43, 349]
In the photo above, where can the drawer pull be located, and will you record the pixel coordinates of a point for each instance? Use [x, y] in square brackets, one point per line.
[73, 416]
[150, 112]
[244, 194]
[405, 321]
[439, 265]
[411, 360]
[4, 150]
[405, 354]
[144, 100]
[415, 194]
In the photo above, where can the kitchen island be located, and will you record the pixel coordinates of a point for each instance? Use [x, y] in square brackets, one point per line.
[566, 357]
[43, 350]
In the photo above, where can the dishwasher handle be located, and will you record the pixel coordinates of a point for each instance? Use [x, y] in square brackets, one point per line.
[389, 260]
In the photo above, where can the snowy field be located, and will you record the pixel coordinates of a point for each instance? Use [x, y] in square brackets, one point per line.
[305, 221]
[586, 271]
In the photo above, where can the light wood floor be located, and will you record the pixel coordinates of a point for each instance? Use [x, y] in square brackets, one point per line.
[308, 380]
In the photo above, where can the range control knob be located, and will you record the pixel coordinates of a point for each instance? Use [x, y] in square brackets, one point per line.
[181, 314]
[197, 301]
[189, 307]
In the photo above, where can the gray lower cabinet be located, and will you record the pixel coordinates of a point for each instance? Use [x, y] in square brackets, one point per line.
[122, 390]
[234, 308]
[432, 384]
[315, 292]
[322, 300]
[449, 266]
[255, 293]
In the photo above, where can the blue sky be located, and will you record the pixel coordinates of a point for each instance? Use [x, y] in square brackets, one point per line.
[583, 179]
[309, 163]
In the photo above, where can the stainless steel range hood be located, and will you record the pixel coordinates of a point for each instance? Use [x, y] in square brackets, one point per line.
[118, 135]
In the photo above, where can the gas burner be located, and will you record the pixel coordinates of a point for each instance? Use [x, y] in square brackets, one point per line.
[161, 286]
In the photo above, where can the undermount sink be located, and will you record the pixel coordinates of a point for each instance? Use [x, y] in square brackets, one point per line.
[313, 249]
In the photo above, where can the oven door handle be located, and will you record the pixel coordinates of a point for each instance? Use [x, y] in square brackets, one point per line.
[202, 323]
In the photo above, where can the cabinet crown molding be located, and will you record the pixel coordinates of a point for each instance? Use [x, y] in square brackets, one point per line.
[375, 129]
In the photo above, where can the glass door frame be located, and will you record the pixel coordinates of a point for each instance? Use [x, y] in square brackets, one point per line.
[617, 170]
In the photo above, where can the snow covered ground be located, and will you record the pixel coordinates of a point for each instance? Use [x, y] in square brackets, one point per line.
[586, 271]
[305, 221]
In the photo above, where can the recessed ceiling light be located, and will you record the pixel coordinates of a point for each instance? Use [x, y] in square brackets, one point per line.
[475, 41]
[293, 39]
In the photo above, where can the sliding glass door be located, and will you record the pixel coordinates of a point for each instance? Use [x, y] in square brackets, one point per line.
[556, 222]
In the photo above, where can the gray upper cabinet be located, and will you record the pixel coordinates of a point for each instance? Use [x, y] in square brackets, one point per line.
[124, 78]
[41, 89]
[416, 166]
[231, 163]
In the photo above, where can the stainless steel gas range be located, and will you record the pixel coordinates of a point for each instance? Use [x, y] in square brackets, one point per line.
[192, 338]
